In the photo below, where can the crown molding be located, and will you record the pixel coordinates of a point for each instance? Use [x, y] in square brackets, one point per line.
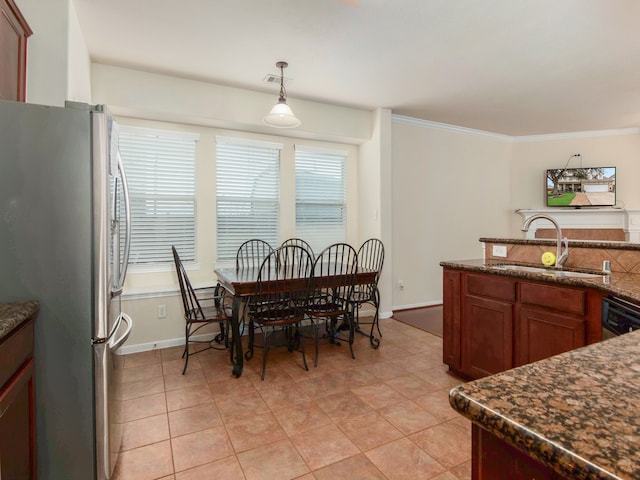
[452, 128]
[585, 134]
[515, 139]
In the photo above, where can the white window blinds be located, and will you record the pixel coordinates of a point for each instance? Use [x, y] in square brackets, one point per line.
[320, 197]
[160, 167]
[247, 193]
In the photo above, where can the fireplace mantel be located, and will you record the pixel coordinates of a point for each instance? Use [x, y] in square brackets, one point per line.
[587, 218]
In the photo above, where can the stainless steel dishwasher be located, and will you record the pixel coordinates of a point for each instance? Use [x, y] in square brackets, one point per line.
[619, 317]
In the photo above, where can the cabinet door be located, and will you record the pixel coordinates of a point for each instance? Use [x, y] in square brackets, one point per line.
[494, 459]
[13, 51]
[487, 336]
[451, 318]
[17, 451]
[542, 334]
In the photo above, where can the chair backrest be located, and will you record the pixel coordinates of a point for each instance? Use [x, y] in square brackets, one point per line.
[252, 253]
[192, 308]
[337, 260]
[301, 243]
[371, 256]
[283, 284]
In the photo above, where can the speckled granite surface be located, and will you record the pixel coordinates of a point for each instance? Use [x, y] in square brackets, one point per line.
[572, 243]
[623, 285]
[578, 412]
[12, 314]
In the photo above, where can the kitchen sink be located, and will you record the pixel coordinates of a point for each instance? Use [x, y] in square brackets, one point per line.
[546, 271]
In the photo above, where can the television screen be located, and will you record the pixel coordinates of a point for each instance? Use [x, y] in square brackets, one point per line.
[581, 187]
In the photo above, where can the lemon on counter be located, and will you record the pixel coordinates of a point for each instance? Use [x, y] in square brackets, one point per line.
[548, 259]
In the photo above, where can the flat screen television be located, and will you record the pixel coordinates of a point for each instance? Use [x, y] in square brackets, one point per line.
[581, 187]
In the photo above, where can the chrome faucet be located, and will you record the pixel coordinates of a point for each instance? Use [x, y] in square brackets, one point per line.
[561, 254]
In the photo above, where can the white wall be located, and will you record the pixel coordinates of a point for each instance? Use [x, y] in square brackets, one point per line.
[533, 155]
[161, 97]
[450, 187]
[374, 187]
[79, 66]
[57, 56]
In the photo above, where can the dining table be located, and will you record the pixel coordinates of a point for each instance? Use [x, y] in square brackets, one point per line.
[241, 283]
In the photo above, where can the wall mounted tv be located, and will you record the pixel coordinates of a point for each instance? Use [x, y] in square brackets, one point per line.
[581, 187]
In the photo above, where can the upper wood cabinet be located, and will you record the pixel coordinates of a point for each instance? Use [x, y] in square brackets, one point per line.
[14, 32]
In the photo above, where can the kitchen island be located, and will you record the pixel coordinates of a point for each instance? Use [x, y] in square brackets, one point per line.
[575, 415]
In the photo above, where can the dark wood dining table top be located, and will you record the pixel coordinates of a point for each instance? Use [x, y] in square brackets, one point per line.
[243, 281]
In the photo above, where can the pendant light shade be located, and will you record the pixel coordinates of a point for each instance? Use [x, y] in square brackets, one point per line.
[281, 115]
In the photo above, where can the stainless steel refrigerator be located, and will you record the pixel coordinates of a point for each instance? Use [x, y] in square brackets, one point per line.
[64, 242]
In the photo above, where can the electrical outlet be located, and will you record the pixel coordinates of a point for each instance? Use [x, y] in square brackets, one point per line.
[500, 251]
[162, 311]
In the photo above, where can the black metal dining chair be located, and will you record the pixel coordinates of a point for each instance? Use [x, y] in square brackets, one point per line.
[370, 258]
[278, 307]
[252, 253]
[301, 243]
[330, 304]
[201, 309]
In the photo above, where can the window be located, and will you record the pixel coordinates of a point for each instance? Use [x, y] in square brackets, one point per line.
[247, 193]
[160, 168]
[320, 196]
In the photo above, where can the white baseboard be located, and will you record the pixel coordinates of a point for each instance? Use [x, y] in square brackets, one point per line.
[177, 342]
[417, 305]
[160, 344]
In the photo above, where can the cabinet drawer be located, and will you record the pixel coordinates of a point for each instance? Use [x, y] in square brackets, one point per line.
[495, 286]
[569, 300]
[15, 350]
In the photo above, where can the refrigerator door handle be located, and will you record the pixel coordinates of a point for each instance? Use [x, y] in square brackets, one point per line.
[117, 290]
[123, 338]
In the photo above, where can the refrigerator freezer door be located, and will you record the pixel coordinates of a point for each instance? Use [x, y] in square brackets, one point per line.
[109, 272]
[109, 424]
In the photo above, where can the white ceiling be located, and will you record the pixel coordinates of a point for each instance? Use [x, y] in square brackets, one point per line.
[515, 67]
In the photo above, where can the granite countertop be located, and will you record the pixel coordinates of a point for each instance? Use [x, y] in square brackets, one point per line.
[573, 243]
[13, 314]
[577, 413]
[623, 285]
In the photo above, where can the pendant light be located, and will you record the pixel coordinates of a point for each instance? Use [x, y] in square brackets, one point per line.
[281, 115]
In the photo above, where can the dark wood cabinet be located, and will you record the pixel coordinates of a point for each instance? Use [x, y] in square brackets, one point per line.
[451, 319]
[17, 429]
[494, 459]
[493, 322]
[487, 336]
[14, 32]
[543, 333]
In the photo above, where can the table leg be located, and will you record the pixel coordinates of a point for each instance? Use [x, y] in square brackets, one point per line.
[238, 359]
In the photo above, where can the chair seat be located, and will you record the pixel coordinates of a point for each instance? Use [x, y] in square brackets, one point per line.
[361, 295]
[326, 309]
[284, 316]
[213, 312]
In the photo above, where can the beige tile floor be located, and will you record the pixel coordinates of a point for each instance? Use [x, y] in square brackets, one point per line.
[384, 415]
